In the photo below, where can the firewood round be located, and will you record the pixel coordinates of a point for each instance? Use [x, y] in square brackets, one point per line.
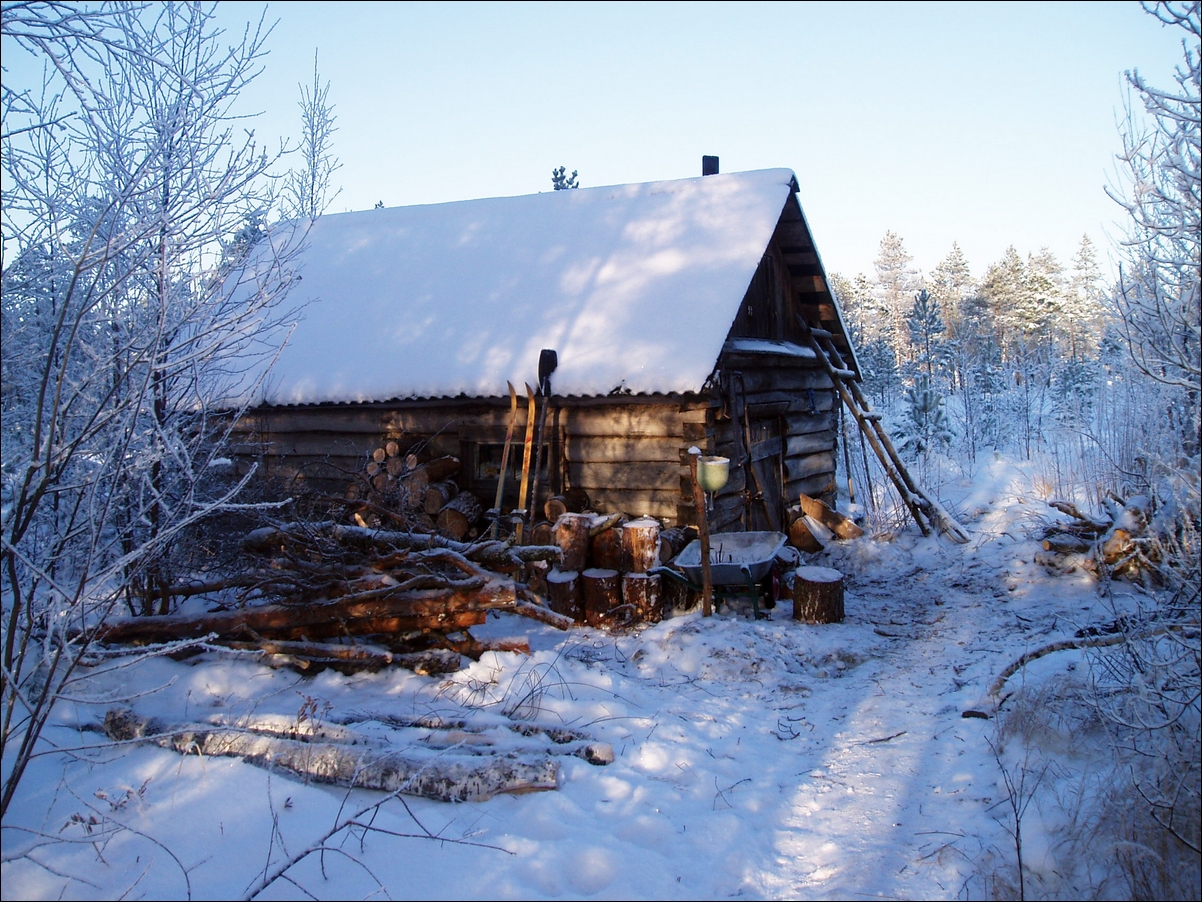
[605, 549]
[602, 593]
[640, 545]
[818, 595]
[438, 495]
[460, 514]
[566, 594]
[642, 592]
[571, 535]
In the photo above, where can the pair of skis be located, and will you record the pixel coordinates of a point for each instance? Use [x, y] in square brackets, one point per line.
[528, 488]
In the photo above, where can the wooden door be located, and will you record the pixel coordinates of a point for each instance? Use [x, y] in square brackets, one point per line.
[767, 456]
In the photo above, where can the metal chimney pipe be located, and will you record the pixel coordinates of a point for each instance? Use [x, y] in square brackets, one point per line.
[709, 165]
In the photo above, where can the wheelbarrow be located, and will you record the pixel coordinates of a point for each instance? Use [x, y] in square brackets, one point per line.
[739, 564]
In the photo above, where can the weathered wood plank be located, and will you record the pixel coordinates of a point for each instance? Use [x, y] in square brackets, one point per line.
[809, 443]
[802, 467]
[615, 449]
[804, 423]
[642, 475]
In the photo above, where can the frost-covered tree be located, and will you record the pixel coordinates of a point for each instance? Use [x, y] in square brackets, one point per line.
[560, 181]
[1158, 296]
[307, 189]
[896, 282]
[856, 301]
[951, 283]
[926, 329]
[126, 181]
[1084, 303]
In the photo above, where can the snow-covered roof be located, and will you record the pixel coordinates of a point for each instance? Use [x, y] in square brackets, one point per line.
[635, 287]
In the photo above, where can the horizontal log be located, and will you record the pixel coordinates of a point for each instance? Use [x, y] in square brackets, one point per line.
[810, 465]
[401, 612]
[622, 449]
[809, 443]
[363, 764]
[642, 475]
[805, 423]
[781, 379]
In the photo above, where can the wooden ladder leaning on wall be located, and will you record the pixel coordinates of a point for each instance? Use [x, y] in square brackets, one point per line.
[928, 513]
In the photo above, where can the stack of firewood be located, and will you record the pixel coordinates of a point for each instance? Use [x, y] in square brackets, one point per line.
[1119, 543]
[603, 577]
[324, 594]
[401, 488]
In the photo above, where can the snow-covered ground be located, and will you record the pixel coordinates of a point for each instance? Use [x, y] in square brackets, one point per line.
[765, 759]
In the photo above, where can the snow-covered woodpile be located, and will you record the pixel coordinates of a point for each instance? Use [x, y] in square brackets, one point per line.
[1123, 542]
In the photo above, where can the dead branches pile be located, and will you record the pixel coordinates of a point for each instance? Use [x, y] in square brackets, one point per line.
[322, 590]
[1119, 543]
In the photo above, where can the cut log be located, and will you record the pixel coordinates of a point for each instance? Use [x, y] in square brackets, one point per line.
[818, 595]
[1065, 543]
[392, 449]
[576, 500]
[565, 593]
[602, 594]
[543, 533]
[459, 516]
[841, 526]
[605, 549]
[640, 545]
[802, 538]
[642, 592]
[438, 495]
[571, 535]
[399, 611]
[555, 507]
[676, 540]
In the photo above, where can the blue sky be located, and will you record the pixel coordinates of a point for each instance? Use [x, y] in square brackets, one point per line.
[987, 124]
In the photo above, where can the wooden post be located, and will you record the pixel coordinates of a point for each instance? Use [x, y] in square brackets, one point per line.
[707, 582]
[818, 595]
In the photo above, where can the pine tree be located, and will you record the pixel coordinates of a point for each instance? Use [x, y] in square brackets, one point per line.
[951, 283]
[1084, 302]
[561, 182]
[896, 281]
[926, 328]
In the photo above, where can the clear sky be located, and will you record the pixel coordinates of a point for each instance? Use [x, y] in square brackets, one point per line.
[989, 124]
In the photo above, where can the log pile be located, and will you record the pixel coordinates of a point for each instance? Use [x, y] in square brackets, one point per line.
[1117, 544]
[603, 577]
[322, 590]
[813, 525]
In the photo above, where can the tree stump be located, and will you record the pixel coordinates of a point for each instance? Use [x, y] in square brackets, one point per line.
[817, 595]
[605, 549]
[642, 592]
[460, 514]
[565, 592]
[640, 545]
[602, 593]
[571, 535]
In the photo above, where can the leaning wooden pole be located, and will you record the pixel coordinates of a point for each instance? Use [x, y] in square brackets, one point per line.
[925, 510]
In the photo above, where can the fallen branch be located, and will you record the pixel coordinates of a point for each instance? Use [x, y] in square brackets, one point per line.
[366, 765]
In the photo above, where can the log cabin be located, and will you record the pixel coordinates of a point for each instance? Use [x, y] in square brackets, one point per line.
[672, 308]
